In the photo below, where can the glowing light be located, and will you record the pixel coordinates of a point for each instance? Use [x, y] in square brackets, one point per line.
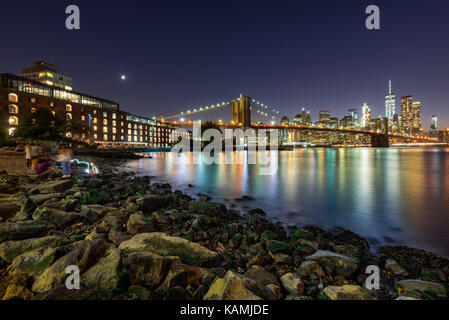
[123, 77]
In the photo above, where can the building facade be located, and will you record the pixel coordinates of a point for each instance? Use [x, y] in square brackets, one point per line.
[20, 97]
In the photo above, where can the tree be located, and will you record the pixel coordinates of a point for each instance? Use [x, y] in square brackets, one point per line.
[41, 125]
[77, 130]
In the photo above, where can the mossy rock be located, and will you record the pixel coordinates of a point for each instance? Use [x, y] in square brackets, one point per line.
[275, 246]
[92, 197]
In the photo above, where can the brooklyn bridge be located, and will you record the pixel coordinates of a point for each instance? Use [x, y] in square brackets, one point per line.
[243, 107]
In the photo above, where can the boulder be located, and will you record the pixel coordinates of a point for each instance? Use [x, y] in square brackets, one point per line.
[35, 262]
[182, 275]
[10, 279]
[393, 266]
[335, 263]
[52, 187]
[24, 229]
[84, 255]
[311, 269]
[189, 252]
[105, 274]
[40, 199]
[261, 275]
[11, 249]
[138, 223]
[146, 268]
[58, 217]
[208, 209]
[152, 203]
[9, 208]
[347, 292]
[282, 258]
[292, 282]
[275, 246]
[421, 289]
[117, 237]
[237, 287]
[17, 292]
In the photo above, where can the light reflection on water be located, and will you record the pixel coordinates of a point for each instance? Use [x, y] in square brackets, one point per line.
[399, 194]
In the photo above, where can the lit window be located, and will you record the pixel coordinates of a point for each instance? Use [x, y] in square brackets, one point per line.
[105, 129]
[105, 114]
[121, 137]
[114, 130]
[114, 116]
[83, 118]
[105, 122]
[95, 128]
[113, 138]
[105, 137]
[95, 136]
[114, 123]
[129, 125]
[129, 138]
[33, 110]
[12, 97]
[68, 108]
[11, 131]
[95, 120]
[14, 121]
[69, 116]
[53, 113]
[13, 109]
[129, 131]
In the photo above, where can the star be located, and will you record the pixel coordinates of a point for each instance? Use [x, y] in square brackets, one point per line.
[123, 77]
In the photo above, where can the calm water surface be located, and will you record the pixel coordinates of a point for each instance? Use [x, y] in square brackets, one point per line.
[391, 196]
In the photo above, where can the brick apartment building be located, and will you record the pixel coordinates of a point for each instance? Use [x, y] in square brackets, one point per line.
[20, 96]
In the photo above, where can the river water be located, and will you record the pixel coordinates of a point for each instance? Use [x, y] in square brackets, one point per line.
[397, 196]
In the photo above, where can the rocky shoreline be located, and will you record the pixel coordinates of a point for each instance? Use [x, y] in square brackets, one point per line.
[134, 240]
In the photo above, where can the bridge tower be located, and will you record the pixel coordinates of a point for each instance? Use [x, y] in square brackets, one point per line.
[241, 111]
[381, 140]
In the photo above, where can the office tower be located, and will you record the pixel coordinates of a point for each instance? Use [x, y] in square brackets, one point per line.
[410, 116]
[434, 126]
[390, 104]
[325, 116]
[366, 116]
[308, 119]
[406, 114]
[333, 122]
[346, 122]
[417, 128]
[354, 114]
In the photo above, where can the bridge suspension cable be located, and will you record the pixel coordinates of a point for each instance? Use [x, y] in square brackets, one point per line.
[195, 110]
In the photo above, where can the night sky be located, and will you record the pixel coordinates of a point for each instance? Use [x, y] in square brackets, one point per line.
[286, 54]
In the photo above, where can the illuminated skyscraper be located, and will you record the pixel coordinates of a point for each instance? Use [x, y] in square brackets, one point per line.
[390, 104]
[325, 116]
[354, 114]
[366, 116]
[434, 126]
[407, 114]
[411, 116]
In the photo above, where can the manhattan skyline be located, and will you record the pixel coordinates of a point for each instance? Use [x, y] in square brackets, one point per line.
[317, 56]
